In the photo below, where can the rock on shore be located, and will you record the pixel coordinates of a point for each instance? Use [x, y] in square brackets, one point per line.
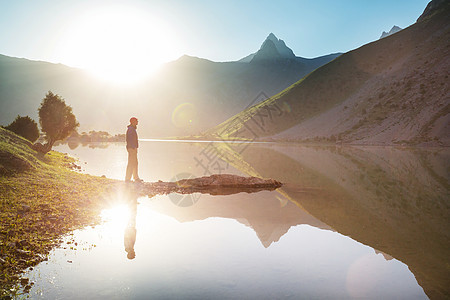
[215, 184]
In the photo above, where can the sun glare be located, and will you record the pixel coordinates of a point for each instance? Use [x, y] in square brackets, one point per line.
[118, 44]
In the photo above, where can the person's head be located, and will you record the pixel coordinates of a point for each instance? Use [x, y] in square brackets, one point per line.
[134, 121]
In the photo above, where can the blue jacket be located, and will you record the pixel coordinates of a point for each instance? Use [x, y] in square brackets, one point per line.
[132, 137]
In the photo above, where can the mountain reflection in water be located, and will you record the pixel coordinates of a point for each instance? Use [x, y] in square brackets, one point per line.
[393, 200]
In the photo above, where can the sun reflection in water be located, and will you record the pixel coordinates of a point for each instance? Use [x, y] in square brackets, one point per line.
[116, 218]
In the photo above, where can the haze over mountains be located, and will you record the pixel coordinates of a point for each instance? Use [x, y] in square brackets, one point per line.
[185, 97]
[391, 91]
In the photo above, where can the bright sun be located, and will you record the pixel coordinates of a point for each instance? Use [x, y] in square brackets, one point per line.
[118, 44]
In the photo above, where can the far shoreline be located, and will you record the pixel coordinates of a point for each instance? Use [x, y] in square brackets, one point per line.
[262, 141]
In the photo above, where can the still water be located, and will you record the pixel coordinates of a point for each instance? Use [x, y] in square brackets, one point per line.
[348, 223]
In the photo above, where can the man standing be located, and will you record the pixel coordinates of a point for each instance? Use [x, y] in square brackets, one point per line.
[132, 145]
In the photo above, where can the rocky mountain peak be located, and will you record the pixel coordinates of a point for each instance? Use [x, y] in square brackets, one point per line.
[273, 48]
[268, 50]
[393, 30]
[272, 37]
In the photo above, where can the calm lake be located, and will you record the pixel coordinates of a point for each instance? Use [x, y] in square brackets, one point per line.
[350, 222]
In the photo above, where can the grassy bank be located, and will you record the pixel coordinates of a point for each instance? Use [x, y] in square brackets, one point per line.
[41, 199]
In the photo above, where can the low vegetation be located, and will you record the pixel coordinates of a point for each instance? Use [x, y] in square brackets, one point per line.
[41, 199]
[25, 127]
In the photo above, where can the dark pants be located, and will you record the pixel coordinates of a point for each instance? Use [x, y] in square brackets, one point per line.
[132, 167]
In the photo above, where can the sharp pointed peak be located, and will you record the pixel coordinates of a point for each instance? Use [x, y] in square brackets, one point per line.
[273, 47]
[272, 36]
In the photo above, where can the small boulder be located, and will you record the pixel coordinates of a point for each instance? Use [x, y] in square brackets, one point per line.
[25, 208]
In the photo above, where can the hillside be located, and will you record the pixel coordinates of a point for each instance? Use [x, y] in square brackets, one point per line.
[219, 90]
[41, 199]
[391, 91]
[185, 97]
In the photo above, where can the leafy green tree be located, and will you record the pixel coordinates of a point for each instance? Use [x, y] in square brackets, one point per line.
[26, 127]
[56, 119]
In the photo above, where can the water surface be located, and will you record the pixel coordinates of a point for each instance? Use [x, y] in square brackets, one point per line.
[349, 223]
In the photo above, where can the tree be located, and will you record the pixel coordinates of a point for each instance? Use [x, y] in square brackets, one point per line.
[26, 127]
[57, 120]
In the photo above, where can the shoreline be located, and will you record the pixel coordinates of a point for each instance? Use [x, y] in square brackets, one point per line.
[37, 209]
[43, 197]
[272, 142]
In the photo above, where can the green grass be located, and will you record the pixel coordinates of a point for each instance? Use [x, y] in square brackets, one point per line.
[40, 204]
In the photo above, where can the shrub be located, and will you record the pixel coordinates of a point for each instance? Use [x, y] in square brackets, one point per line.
[26, 127]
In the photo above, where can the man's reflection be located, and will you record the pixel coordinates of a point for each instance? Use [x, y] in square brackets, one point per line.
[129, 238]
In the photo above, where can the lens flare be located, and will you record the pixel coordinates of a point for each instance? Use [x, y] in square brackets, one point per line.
[184, 115]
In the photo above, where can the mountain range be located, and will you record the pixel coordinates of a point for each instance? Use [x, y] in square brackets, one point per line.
[394, 91]
[185, 97]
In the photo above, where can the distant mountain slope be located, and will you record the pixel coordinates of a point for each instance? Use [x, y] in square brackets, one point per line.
[392, 91]
[221, 89]
[187, 95]
[21, 78]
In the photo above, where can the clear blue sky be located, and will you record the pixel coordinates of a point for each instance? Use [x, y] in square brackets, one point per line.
[216, 30]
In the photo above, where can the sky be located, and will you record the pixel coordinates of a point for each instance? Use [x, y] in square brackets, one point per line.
[83, 32]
